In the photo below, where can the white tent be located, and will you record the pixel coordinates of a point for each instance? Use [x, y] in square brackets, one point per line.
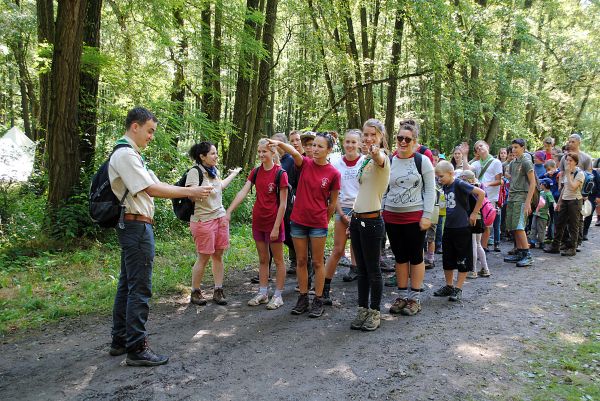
[16, 156]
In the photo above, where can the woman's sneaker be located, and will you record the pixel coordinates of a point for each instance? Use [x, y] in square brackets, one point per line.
[484, 273]
[412, 308]
[351, 275]
[398, 305]
[258, 299]
[472, 274]
[360, 318]
[444, 291]
[275, 303]
[456, 296]
[372, 321]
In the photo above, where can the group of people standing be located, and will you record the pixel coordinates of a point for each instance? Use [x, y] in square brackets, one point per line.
[300, 185]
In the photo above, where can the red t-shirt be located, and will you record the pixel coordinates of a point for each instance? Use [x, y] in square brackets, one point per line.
[264, 212]
[402, 218]
[314, 188]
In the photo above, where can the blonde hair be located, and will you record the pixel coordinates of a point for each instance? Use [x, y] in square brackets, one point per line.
[265, 142]
[443, 167]
[380, 128]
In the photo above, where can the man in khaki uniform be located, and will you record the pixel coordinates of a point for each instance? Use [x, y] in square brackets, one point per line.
[128, 172]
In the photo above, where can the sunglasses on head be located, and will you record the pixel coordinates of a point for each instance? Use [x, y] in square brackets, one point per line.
[406, 139]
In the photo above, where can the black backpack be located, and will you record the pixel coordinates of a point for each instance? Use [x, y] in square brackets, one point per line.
[290, 195]
[105, 208]
[184, 207]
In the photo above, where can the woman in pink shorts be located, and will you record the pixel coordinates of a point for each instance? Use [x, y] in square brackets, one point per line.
[208, 225]
[271, 183]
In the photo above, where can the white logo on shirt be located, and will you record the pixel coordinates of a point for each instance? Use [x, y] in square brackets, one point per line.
[450, 201]
[325, 183]
[271, 187]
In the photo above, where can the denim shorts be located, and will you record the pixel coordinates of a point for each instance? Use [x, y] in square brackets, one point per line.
[300, 231]
[346, 210]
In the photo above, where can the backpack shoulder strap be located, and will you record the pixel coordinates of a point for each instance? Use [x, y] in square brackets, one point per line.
[419, 162]
[200, 174]
[254, 175]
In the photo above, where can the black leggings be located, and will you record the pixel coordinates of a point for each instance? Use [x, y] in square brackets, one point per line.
[406, 241]
[365, 236]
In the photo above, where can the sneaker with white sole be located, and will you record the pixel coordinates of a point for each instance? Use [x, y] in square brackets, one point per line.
[258, 299]
[472, 274]
[359, 320]
[275, 303]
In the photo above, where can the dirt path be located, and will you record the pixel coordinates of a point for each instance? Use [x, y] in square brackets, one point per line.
[472, 350]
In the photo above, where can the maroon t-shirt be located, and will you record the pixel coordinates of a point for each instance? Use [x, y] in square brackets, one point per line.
[314, 188]
[264, 212]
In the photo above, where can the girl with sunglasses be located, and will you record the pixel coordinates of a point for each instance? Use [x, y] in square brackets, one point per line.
[408, 206]
[316, 199]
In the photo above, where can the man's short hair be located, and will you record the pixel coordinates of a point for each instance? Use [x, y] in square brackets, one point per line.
[550, 163]
[519, 141]
[575, 136]
[294, 132]
[139, 115]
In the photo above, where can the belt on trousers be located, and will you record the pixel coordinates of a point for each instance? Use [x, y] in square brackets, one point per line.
[369, 215]
[138, 217]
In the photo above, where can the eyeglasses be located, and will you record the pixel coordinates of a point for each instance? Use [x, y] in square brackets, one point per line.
[406, 139]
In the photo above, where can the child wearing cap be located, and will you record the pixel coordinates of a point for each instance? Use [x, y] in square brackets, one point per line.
[539, 158]
[541, 215]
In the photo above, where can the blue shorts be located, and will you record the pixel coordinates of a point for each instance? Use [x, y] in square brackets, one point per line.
[347, 211]
[300, 231]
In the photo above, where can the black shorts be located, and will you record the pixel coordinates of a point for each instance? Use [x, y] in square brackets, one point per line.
[457, 244]
[406, 241]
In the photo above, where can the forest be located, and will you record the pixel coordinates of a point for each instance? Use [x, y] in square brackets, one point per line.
[234, 71]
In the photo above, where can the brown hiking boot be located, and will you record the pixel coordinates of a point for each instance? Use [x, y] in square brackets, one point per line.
[302, 305]
[219, 297]
[197, 298]
[398, 305]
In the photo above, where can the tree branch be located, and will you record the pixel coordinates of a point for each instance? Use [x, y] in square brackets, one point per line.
[373, 82]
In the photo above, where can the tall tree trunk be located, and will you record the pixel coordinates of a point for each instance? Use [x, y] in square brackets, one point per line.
[88, 91]
[63, 133]
[352, 112]
[240, 107]
[45, 34]
[437, 104]
[176, 127]
[504, 84]
[577, 118]
[390, 109]
[352, 49]
[206, 51]
[264, 79]
[328, 81]
[215, 112]
[368, 53]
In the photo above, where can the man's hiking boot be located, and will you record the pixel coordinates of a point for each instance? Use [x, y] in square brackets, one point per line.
[372, 321]
[316, 308]
[526, 260]
[197, 298]
[569, 252]
[456, 296]
[301, 305]
[514, 258]
[360, 318]
[144, 356]
[219, 297]
[398, 305]
[551, 249]
[444, 291]
[412, 308]
[117, 348]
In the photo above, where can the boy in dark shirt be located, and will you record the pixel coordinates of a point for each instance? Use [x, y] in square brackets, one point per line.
[457, 239]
